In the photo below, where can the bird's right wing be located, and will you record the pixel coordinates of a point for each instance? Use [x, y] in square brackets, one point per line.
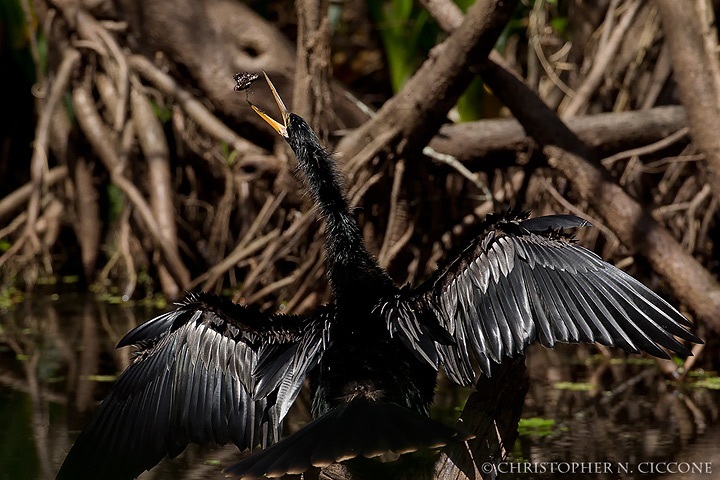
[525, 280]
[208, 371]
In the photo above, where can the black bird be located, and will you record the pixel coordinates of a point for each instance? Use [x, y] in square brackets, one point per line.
[215, 371]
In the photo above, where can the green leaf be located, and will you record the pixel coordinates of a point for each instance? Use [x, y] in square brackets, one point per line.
[574, 386]
[470, 104]
[116, 199]
[162, 112]
[102, 378]
[560, 25]
[536, 426]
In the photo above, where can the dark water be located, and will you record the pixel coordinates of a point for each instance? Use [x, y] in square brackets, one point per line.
[585, 416]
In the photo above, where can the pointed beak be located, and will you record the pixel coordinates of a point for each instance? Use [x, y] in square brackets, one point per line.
[281, 128]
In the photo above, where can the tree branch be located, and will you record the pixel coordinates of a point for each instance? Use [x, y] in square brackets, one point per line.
[690, 282]
[209, 122]
[38, 163]
[695, 81]
[311, 93]
[636, 229]
[415, 113]
[101, 140]
[156, 152]
[606, 133]
[13, 201]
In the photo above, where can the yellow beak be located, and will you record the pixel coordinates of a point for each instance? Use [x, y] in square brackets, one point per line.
[281, 128]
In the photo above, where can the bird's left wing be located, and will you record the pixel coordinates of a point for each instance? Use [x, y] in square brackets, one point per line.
[209, 371]
[525, 280]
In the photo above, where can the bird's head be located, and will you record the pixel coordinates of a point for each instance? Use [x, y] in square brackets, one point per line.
[293, 128]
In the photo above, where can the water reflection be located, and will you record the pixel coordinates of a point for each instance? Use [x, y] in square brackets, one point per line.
[54, 356]
[620, 411]
[57, 360]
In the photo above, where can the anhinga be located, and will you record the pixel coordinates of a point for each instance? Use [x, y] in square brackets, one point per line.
[215, 371]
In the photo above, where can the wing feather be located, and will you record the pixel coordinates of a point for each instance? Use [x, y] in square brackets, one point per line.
[493, 301]
[525, 281]
[537, 307]
[193, 381]
[512, 311]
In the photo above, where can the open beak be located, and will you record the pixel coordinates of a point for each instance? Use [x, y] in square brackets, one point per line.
[281, 128]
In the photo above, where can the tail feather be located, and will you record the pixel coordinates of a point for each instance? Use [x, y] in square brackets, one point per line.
[360, 428]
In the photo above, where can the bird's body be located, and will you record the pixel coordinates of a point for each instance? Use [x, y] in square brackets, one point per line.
[362, 359]
[212, 370]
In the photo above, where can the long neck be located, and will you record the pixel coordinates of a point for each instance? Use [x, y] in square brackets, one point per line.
[352, 271]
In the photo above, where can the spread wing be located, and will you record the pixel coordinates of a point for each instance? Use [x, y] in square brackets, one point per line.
[525, 281]
[209, 371]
